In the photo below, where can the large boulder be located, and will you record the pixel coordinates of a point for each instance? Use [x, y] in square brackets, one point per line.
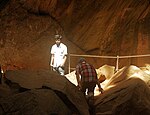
[127, 92]
[63, 87]
[34, 102]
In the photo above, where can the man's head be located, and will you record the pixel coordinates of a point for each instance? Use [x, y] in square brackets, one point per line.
[58, 39]
[81, 60]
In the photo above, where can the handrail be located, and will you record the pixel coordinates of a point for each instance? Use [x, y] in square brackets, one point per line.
[114, 57]
[147, 55]
[76, 55]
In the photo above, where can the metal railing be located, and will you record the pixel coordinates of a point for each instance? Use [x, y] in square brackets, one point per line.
[106, 57]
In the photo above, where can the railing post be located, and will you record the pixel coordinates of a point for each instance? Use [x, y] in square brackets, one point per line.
[69, 63]
[117, 63]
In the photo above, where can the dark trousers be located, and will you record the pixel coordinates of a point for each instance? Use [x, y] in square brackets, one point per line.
[59, 70]
[90, 86]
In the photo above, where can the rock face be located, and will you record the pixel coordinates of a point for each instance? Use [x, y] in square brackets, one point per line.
[126, 92]
[34, 102]
[88, 27]
[97, 27]
[56, 86]
[130, 97]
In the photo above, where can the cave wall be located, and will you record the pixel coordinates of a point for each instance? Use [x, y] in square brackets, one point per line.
[103, 27]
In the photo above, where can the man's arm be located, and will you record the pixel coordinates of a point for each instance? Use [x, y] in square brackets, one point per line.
[64, 61]
[52, 60]
[78, 79]
[99, 86]
[65, 56]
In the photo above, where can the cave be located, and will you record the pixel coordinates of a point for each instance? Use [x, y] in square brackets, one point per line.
[113, 35]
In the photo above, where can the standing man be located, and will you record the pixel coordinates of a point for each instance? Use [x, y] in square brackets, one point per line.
[58, 55]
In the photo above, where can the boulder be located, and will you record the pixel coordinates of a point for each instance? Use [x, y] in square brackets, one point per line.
[29, 79]
[33, 102]
[127, 92]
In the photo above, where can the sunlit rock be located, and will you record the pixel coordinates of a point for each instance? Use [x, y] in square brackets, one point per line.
[125, 92]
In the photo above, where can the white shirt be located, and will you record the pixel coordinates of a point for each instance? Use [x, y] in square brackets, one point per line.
[59, 53]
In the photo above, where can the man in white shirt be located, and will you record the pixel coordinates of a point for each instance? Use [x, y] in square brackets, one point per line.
[58, 55]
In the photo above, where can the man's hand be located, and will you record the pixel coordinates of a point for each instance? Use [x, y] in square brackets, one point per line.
[51, 65]
[79, 87]
[101, 90]
[61, 65]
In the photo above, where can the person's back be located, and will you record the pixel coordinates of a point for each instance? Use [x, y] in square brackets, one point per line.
[87, 72]
[86, 77]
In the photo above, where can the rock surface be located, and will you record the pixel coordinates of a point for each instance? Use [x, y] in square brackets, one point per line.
[102, 27]
[34, 102]
[38, 79]
[125, 92]
[105, 28]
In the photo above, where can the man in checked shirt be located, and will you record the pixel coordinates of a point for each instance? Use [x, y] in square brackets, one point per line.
[87, 79]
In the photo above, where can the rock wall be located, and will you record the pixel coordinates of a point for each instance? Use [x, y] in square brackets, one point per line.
[104, 27]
